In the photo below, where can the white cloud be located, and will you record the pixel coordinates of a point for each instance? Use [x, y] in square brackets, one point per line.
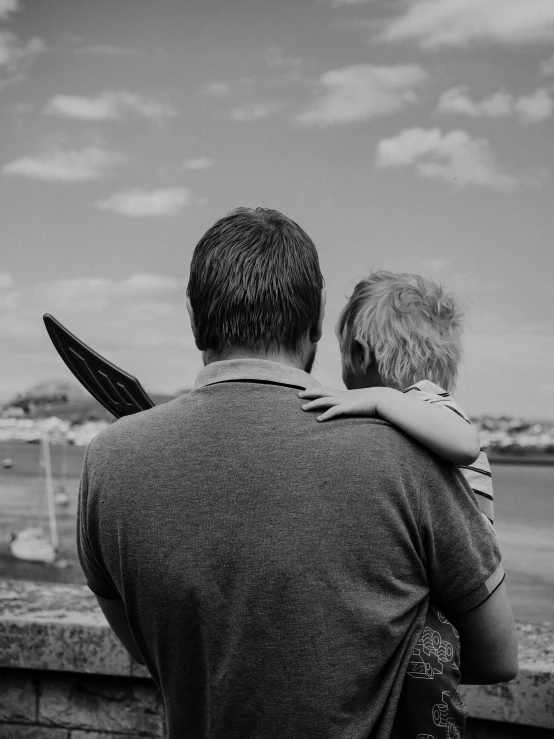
[7, 7]
[97, 292]
[218, 89]
[362, 92]
[104, 50]
[138, 321]
[340, 3]
[108, 106]
[456, 100]
[530, 109]
[276, 58]
[57, 165]
[6, 281]
[547, 67]
[454, 157]
[534, 108]
[16, 56]
[256, 111]
[141, 203]
[439, 23]
[199, 163]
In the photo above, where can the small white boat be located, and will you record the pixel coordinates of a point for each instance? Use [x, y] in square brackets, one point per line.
[32, 545]
[7, 463]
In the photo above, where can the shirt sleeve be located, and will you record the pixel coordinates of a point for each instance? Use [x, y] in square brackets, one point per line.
[478, 474]
[88, 548]
[428, 392]
[460, 551]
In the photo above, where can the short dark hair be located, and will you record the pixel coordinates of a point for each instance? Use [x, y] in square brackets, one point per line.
[254, 281]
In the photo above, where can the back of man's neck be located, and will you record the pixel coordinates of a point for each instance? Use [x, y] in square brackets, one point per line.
[271, 355]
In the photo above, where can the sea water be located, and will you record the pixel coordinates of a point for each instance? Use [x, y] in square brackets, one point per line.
[524, 522]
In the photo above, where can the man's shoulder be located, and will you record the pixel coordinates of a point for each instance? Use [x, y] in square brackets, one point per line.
[129, 429]
[375, 434]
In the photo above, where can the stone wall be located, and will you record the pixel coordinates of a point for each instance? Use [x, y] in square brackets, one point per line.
[64, 675]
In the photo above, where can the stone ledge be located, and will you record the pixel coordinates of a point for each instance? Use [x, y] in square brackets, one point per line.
[61, 628]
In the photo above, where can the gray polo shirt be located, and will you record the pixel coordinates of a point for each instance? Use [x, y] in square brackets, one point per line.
[276, 571]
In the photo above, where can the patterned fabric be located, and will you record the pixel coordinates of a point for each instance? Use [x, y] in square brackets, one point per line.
[477, 474]
[430, 706]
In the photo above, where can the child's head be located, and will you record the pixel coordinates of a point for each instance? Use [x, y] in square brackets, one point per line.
[411, 325]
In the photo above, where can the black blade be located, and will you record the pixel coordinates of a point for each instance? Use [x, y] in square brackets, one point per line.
[120, 393]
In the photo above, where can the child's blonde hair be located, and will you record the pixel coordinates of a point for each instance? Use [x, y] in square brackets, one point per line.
[412, 326]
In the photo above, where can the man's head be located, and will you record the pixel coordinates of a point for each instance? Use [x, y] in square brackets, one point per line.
[397, 329]
[255, 286]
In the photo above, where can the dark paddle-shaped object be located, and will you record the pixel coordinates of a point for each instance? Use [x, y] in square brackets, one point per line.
[120, 393]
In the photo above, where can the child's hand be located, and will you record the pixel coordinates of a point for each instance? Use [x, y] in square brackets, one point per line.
[341, 402]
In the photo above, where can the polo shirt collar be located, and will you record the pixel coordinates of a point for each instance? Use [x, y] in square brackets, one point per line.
[260, 370]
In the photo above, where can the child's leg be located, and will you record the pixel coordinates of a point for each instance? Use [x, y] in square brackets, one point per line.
[430, 706]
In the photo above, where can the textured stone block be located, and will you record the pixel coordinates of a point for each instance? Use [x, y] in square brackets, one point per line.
[17, 731]
[102, 735]
[18, 698]
[139, 670]
[116, 705]
[477, 729]
[66, 647]
[57, 627]
[527, 700]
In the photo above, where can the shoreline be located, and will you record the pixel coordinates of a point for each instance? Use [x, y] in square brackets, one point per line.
[521, 459]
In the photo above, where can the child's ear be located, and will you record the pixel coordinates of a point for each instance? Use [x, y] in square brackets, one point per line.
[366, 359]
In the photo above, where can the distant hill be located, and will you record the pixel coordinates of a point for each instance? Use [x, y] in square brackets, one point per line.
[67, 399]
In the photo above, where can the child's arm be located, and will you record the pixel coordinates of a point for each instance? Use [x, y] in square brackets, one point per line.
[446, 434]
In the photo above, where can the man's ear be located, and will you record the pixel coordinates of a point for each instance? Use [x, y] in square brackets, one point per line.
[366, 358]
[316, 331]
[193, 325]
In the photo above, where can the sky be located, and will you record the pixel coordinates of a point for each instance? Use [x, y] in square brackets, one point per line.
[409, 135]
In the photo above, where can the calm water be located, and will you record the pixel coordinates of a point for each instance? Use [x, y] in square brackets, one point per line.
[524, 513]
[524, 521]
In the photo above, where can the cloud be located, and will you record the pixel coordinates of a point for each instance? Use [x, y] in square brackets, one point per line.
[362, 92]
[340, 3]
[256, 111]
[98, 292]
[138, 321]
[276, 58]
[108, 106]
[440, 23]
[57, 165]
[141, 203]
[221, 88]
[7, 7]
[454, 157]
[16, 56]
[530, 109]
[104, 50]
[218, 89]
[534, 108]
[6, 281]
[547, 67]
[199, 163]
[456, 100]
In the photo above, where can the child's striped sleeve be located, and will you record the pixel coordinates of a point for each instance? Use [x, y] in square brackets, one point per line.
[477, 474]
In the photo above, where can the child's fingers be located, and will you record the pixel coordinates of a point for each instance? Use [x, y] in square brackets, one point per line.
[333, 412]
[319, 403]
[318, 392]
